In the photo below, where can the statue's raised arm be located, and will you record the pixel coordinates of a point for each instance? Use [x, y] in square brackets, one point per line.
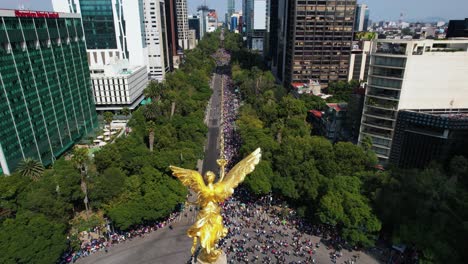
[236, 175]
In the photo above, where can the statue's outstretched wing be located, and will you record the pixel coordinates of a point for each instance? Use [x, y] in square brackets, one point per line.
[237, 174]
[189, 178]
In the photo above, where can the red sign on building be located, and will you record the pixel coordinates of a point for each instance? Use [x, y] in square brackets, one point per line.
[25, 13]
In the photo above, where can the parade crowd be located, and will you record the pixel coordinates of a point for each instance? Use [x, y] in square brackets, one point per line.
[257, 234]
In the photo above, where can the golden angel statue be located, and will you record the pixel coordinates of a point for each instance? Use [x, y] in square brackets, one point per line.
[209, 226]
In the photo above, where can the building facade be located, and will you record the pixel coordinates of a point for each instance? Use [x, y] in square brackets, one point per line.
[359, 61]
[118, 85]
[257, 24]
[330, 123]
[362, 18]
[231, 7]
[123, 29]
[425, 136]
[156, 39]
[182, 25]
[46, 102]
[418, 74]
[194, 24]
[318, 39]
[458, 29]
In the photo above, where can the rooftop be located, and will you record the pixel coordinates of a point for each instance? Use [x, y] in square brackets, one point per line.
[32, 13]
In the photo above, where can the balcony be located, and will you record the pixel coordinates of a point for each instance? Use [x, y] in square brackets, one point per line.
[382, 103]
[384, 94]
[391, 48]
[379, 113]
[378, 123]
[376, 132]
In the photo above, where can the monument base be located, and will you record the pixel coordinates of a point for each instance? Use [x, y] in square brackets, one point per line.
[222, 259]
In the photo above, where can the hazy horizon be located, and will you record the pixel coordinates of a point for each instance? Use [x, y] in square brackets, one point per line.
[379, 9]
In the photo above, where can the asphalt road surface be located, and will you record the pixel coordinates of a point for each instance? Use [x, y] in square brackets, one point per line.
[162, 246]
[214, 122]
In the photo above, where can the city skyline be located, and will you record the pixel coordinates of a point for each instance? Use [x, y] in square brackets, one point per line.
[380, 10]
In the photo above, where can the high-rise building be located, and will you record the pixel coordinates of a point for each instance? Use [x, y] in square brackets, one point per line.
[202, 16]
[359, 60]
[194, 24]
[182, 24]
[123, 29]
[362, 18]
[231, 7]
[211, 20]
[156, 38]
[278, 27]
[411, 75]
[257, 24]
[46, 102]
[234, 22]
[319, 37]
[172, 42]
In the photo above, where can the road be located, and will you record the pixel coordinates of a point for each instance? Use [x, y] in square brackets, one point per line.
[162, 246]
[166, 245]
[214, 122]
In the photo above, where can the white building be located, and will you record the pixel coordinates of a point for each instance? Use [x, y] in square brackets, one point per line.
[118, 85]
[411, 75]
[183, 33]
[123, 29]
[211, 21]
[359, 61]
[156, 38]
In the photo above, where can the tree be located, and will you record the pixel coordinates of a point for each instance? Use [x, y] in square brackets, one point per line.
[108, 117]
[406, 31]
[107, 185]
[31, 168]
[81, 159]
[126, 111]
[344, 206]
[147, 197]
[154, 90]
[31, 238]
[151, 127]
[151, 111]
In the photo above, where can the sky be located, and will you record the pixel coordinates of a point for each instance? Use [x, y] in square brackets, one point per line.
[379, 9]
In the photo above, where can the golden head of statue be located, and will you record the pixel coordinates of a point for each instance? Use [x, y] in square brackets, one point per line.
[209, 228]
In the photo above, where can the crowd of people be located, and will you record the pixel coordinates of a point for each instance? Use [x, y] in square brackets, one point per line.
[257, 233]
[108, 238]
[230, 112]
[263, 230]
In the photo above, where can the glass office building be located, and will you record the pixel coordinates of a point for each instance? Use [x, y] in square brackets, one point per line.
[98, 24]
[46, 101]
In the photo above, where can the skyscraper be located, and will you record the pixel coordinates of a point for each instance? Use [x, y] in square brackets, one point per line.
[156, 38]
[318, 40]
[231, 7]
[123, 29]
[257, 23]
[46, 103]
[182, 24]
[362, 18]
[194, 24]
